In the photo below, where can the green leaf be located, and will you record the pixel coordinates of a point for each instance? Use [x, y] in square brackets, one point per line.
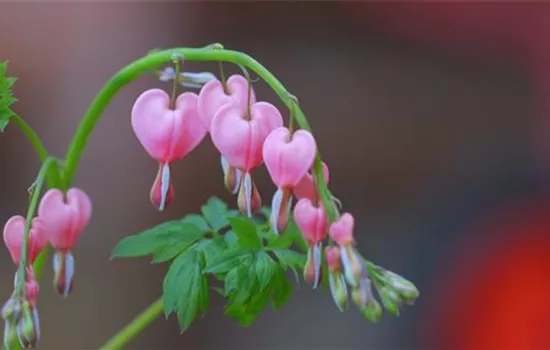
[185, 288]
[265, 269]
[247, 235]
[165, 241]
[290, 258]
[211, 248]
[229, 259]
[6, 96]
[246, 311]
[198, 221]
[215, 212]
[231, 239]
[282, 289]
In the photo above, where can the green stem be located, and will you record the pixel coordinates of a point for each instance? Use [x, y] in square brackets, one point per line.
[125, 335]
[32, 136]
[20, 288]
[154, 60]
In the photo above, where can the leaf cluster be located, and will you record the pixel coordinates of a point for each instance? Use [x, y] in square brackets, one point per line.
[220, 246]
[7, 99]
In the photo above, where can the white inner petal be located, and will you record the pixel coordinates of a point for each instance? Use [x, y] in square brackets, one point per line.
[248, 193]
[275, 210]
[164, 185]
[317, 263]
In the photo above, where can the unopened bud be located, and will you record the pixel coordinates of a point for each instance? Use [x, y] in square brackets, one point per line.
[28, 327]
[339, 290]
[11, 309]
[353, 266]
[195, 80]
[10, 334]
[362, 293]
[390, 300]
[405, 288]
[372, 311]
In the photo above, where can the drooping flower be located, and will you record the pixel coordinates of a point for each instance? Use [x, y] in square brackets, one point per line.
[167, 134]
[239, 138]
[288, 157]
[212, 97]
[14, 233]
[306, 187]
[312, 222]
[341, 232]
[64, 217]
[337, 280]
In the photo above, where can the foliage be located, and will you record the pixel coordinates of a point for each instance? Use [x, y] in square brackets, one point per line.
[6, 96]
[238, 251]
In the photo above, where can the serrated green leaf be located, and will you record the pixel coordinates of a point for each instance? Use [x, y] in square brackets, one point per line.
[282, 289]
[174, 279]
[234, 279]
[265, 268]
[290, 258]
[185, 288]
[245, 312]
[247, 235]
[229, 259]
[293, 230]
[6, 96]
[231, 239]
[215, 213]
[211, 248]
[198, 221]
[167, 240]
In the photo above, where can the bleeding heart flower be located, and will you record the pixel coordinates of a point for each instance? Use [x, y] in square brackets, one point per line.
[64, 217]
[214, 95]
[239, 138]
[288, 157]
[14, 233]
[306, 187]
[312, 221]
[341, 232]
[167, 134]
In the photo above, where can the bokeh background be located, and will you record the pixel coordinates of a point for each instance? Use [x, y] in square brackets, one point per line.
[433, 117]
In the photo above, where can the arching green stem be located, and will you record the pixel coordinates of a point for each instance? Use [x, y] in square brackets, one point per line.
[32, 136]
[156, 59]
[41, 178]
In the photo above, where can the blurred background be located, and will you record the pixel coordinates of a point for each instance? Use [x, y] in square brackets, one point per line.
[434, 120]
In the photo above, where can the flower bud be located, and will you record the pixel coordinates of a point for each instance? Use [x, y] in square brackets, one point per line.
[405, 288]
[28, 327]
[195, 80]
[362, 293]
[353, 266]
[390, 300]
[231, 176]
[373, 311]
[10, 334]
[338, 289]
[248, 200]
[12, 309]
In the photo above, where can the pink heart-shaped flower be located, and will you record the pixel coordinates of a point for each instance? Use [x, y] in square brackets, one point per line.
[64, 217]
[212, 97]
[288, 157]
[341, 230]
[167, 134]
[14, 232]
[311, 220]
[306, 187]
[239, 140]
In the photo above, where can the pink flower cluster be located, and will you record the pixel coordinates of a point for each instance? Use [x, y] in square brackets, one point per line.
[61, 219]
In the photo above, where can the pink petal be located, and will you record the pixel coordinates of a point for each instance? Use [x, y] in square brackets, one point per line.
[288, 157]
[166, 134]
[341, 231]
[64, 221]
[14, 232]
[311, 220]
[212, 97]
[306, 187]
[239, 140]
